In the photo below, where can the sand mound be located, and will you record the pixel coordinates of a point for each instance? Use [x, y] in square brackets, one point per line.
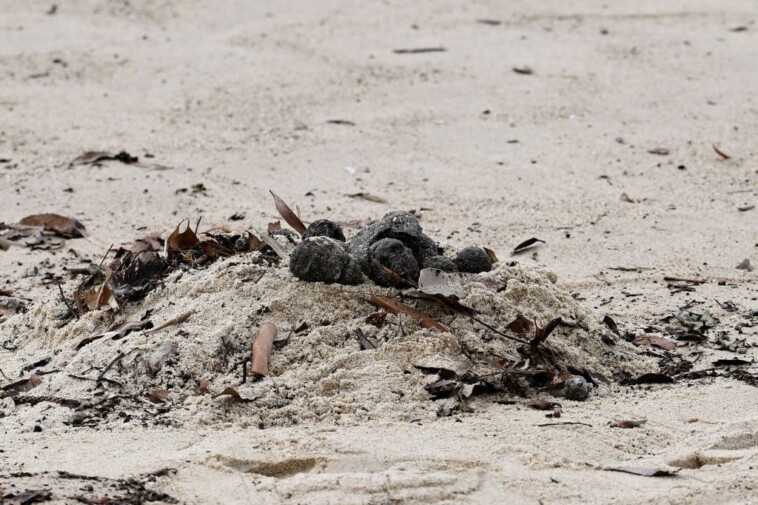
[318, 371]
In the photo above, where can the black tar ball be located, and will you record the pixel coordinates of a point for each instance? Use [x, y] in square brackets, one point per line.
[473, 260]
[394, 255]
[440, 263]
[322, 259]
[324, 228]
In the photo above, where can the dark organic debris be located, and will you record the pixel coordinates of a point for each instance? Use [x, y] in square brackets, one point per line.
[288, 215]
[721, 153]
[344, 122]
[233, 394]
[62, 226]
[641, 471]
[660, 151]
[93, 157]
[368, 197]
[628, 424]
[654, 378]
[527, 244]
[523, 70]
[745, 265]
[22, 386]
[396, 307]
[419, 50]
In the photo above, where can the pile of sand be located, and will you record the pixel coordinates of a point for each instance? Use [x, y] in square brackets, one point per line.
[318, 371]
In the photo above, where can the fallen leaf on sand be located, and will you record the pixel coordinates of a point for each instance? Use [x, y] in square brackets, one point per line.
[157, 395]
[290, 217]
[644, 472]
[491, 254]
[368, 197]
[660, 151]
[661, 342]
[543, 405]
[233, 394]
[629, 424]
[396, 307]
[520, 325]
[23, 385]
[721, 153]
[526, 244]
[92, 157]
[160, 357]
[65, 227]
[186, 239]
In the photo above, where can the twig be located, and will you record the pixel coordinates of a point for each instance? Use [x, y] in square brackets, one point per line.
[681, 279]
[119, 355]
[34, 400]
[63, 297]
[560, 424]
[100, 266]
[171, 322]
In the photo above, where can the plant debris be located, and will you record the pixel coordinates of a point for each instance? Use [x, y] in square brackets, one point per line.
[420, 50]
[641, 471]
[527, 244]
[261, 349]
[721, 153]
[629, 424]
[660, 151]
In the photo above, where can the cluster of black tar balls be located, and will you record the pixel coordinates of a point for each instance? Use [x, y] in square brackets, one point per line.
[396, 243]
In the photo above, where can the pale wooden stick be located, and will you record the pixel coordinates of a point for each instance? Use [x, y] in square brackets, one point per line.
[261, 348]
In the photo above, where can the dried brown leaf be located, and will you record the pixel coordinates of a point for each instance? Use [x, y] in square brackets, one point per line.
[721, 153]
[491, 254]
[527, 244]
[661, 342]
[287, 214]
[543, 405]
[231, 392]
[179, 241]
[65, 227]
[157, 395]
[520, 325]
[23, 385]
[396, 307]
[629, 424]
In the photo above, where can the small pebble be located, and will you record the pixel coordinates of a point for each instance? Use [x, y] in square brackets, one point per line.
[324, 228]
[576, 388]
[473, 260]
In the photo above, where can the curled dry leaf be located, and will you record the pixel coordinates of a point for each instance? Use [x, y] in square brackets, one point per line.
[233, 394]
[527, 244]
[160, 357]
[544, 405]
[491, 254]
[290, 217]
[721, 153]
[661, 342]
[261, 348]
[23, 385]
[157, 395]
[396, 307]
[520, 325]
[629, 424]
[65, 227]
[377, 318]
[186, 239]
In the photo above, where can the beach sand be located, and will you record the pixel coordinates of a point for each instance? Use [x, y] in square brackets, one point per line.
[312, 100]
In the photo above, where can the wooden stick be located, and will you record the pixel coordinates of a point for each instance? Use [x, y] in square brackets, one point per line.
[261, 348]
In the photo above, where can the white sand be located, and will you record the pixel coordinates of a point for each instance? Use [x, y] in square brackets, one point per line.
[238, 96]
